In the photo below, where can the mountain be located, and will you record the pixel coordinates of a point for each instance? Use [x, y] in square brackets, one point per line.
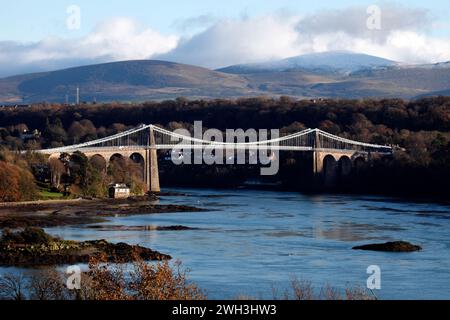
[325, 75]
[326, 62]
[392, 82]
[125, 81]
[345, 75]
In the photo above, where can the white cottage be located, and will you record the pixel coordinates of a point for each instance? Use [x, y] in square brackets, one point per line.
[119, 191]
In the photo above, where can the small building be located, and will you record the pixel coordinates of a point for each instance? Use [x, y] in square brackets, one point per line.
[119, 191]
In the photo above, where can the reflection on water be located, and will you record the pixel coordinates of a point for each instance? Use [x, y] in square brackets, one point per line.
[250, 241]
[349, 231]
[281, 234]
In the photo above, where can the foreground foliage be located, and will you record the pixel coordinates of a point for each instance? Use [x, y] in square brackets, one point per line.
[300, 289]
[105, 281]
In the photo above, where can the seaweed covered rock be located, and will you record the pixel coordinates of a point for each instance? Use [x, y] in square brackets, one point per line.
[34, 247]
[396, 246]
[123, 252]
[30, 235]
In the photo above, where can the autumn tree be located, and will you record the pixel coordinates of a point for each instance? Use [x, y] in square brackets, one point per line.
[16, 183]
[9, 182]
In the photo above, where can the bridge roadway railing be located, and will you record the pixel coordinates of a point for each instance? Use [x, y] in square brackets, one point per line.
[182, 147]
[306, 140]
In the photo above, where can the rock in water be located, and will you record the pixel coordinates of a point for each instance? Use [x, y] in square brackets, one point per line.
[34, 247]
[396, 246]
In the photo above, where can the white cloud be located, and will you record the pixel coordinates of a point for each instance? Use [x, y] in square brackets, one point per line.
[406, 36]
[123, 39]
[352, 21]
[114, 40]
[239, 41]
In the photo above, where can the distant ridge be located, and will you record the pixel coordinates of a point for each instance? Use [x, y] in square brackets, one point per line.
[124, 81]
[326, 75]
[334, 62]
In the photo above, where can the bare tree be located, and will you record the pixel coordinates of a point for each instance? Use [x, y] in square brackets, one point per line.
[12, 287]
[47, 285]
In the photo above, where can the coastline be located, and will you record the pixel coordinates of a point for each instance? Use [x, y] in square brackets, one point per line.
[52, 213]
[31, 216]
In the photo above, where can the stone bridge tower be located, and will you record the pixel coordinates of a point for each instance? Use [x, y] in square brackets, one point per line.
[151, 164]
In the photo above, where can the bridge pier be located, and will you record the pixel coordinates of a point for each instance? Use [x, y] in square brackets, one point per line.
[317, 162]
[151, 167]
[151, 170]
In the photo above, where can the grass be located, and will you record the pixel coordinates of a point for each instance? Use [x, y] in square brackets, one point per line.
[48, 195]
[45, 193]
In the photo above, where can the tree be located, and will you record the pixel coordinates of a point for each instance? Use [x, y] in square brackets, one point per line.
[75, 132]
[9, 182]
[57, 169]
[27, 186]
[96, 182]
[16, 183]
[12, 287]
[123, 170]
[54, 133]
[78, 168]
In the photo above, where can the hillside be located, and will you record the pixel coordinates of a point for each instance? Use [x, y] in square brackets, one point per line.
[334, 75]
[340, 62]
[125, 81]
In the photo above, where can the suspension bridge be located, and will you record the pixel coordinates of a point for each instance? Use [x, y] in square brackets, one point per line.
[329, 152]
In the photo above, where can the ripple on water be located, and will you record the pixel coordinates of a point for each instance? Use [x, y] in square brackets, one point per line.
[253, 238]
[283, 234]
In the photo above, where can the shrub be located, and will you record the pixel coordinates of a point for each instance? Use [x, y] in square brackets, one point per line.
[105, 281]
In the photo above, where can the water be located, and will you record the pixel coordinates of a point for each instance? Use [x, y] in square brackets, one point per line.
[252, 241]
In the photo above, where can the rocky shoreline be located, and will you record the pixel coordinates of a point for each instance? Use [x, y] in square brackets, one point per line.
[30, 246]
[33, 247]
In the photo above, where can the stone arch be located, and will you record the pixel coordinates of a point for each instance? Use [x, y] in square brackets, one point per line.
[344, 166]
[139, 159]
[117, 168]
[329, 170]
[115, 156]
[98, 161]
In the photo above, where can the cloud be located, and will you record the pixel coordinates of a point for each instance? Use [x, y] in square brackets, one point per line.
[232, 41]
[353, 21]
[406, 35]
[114, 40]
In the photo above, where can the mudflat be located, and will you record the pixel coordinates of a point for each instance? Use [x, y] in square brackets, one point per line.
[80, 211]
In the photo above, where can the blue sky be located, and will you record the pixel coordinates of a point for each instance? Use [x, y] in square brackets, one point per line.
[29, 20]
[34, 33]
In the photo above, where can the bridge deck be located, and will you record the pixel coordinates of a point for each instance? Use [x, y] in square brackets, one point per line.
[143, 138]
